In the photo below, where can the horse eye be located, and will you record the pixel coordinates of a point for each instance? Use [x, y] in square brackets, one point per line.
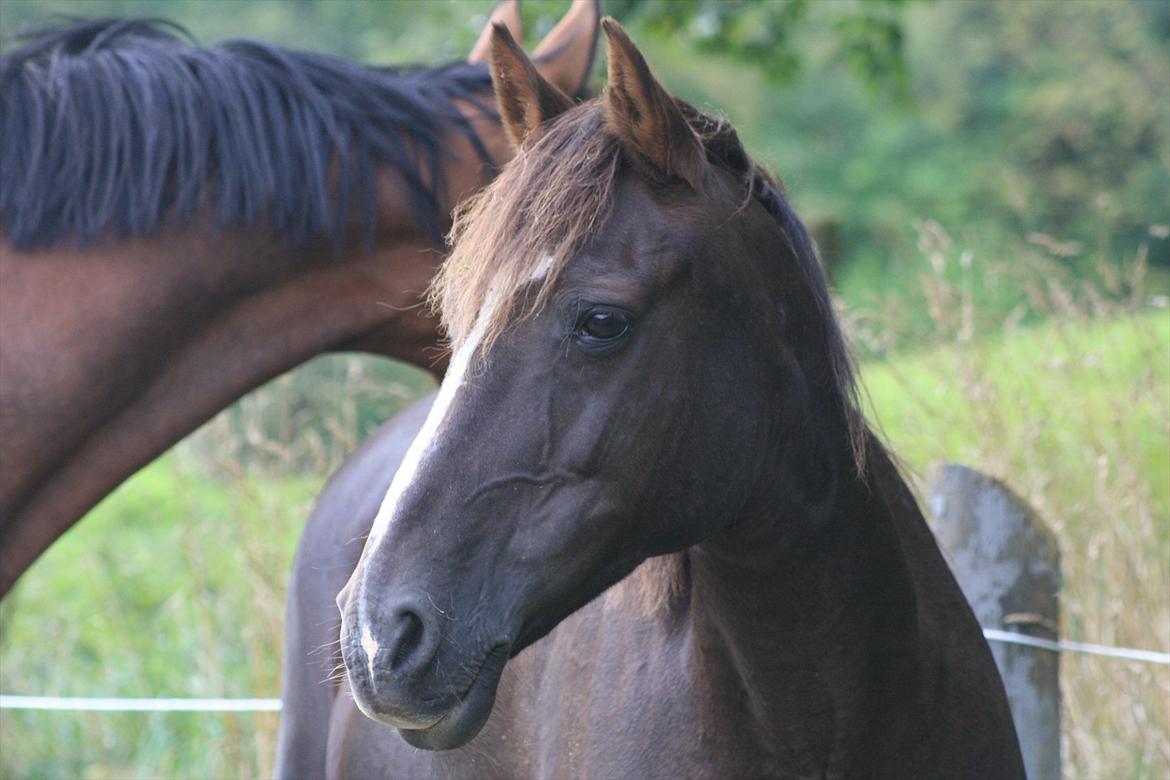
[603, 326]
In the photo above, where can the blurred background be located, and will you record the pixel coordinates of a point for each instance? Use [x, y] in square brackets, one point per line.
[990, 186]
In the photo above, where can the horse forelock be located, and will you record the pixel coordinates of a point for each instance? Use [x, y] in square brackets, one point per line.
[520, 231]
[117, 127]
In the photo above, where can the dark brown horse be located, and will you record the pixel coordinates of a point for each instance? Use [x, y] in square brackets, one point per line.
[643, 529]
[182, 223]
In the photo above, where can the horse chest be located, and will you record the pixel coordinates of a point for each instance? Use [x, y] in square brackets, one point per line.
[618, 695]
[593, 699]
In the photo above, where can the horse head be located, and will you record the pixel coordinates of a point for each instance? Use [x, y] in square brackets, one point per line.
[644, 358]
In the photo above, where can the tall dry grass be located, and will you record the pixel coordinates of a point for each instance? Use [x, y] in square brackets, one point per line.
[1061, 390]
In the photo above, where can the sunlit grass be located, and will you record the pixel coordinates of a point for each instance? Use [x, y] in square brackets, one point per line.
[1073, 412]
[1075, 418]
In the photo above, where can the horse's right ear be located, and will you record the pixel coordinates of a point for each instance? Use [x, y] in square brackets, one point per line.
[645, 117]
[525, 99]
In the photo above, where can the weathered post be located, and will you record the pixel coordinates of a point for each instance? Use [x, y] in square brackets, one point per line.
[1008, 565]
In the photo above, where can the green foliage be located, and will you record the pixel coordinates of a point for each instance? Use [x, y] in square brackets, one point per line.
[1042, 120]
[375, 31]
[770, 35]
[1068, 104]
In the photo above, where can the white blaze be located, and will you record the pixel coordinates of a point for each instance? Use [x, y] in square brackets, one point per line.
[419, 449]
[370, 646]
[422, 443]
[542, 268]
[425, 441]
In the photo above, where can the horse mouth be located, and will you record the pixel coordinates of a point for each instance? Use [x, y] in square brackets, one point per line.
[460, 725]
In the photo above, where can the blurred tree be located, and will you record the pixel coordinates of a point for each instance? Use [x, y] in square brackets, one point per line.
[1067, 104]
[769, 34]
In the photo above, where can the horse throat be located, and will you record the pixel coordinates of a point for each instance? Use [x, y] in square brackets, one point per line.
[812, 635]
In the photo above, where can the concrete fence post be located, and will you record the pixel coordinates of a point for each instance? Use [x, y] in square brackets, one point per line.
[1008, 564]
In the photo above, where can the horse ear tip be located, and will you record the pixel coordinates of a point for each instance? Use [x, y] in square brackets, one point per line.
[619, 43]
[503, 50]
[501, 33]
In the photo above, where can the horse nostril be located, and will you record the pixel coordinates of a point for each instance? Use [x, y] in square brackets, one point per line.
[410, 645]
[408, 631]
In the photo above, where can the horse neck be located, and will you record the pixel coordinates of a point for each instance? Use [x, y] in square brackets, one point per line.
[818, 632]
[172, 329]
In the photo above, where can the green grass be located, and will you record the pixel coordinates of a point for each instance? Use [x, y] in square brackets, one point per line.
[174, 585]
[1062, 394]
[1075, 417]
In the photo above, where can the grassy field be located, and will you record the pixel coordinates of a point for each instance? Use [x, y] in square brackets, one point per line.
[1076, 419]
[174, 585]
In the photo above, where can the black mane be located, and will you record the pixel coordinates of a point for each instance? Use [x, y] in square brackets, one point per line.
[840, 376]
[114, 126]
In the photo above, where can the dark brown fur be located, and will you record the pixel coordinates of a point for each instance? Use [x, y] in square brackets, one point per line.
[664, 532]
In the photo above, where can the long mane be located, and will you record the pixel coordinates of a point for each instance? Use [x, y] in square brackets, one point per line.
[115, 127]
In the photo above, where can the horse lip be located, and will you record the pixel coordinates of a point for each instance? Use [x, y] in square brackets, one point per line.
[392, 720]
[463, 721]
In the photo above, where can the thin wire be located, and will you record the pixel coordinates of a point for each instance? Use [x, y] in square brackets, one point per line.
[1065, 645]
[112, 704]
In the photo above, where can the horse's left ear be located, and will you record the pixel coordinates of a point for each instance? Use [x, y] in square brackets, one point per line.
[507, 13]
[525, 99]
[645, 116]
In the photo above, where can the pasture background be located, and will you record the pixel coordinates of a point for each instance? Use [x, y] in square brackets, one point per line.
[991, 185]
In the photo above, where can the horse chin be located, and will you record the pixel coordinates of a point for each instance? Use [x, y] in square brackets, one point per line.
[460, 725]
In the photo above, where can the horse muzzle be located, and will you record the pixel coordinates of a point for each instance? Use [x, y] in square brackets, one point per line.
[393, 665]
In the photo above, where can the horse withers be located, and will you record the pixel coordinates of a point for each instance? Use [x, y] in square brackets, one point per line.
[180, 223]
[643, 529]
